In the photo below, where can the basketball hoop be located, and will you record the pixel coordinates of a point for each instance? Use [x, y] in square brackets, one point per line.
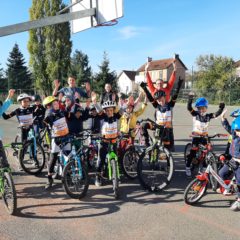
[108, 24]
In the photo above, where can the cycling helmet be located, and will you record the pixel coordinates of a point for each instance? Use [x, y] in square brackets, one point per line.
[23, 96]
[109, 104]
[201, 102]
[48, 100]
[235, 113]
[236, 124]
[37, 98]
[159, 94]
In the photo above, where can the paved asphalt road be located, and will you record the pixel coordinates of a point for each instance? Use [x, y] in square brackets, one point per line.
[137, 215]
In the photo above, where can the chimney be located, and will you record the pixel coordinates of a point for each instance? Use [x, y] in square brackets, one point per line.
[176, 56]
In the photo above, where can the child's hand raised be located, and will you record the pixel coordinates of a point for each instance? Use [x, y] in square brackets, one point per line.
[223, 114]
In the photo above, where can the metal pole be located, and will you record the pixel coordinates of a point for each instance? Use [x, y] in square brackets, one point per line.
[25, 26]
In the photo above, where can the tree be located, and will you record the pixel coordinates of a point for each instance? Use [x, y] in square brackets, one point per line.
[80, 67]
[215, 76]
[49, 47]
[105, 76]
[17, 73]
[3, 79]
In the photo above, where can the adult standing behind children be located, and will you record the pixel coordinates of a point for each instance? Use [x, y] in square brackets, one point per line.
[108, 94]
[71, 90]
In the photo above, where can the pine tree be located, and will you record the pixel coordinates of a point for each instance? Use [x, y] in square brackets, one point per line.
[80, 67]
[49, 47]
[105, 76]
[3, 79]
[17, 73]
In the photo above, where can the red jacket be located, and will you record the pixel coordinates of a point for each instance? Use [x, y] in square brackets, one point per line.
[167, 90]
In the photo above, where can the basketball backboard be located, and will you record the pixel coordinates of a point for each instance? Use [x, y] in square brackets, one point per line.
[106, 11]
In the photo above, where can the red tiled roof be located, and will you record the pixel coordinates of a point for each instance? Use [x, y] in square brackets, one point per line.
[160, 64]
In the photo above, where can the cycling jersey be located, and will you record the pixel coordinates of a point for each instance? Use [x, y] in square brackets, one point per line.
[129, 121]
[201, 122]
[24, 115]
[58, 123]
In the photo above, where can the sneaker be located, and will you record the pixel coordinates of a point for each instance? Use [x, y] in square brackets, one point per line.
[235, 206]
[98, 182]
[49, 183]
[225, 192]
[188, 172]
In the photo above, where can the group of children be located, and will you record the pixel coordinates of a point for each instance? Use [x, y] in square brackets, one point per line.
[67, 117]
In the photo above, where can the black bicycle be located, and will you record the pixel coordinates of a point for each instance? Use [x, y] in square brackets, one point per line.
[156, 165]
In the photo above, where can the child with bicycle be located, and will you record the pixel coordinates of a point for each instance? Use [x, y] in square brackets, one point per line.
[39, 114]
[109, 131]
[163, 114]
[3, 158]
[201, 120]
[234, 163]
[128, 122]
[25, 115]
[56, 120]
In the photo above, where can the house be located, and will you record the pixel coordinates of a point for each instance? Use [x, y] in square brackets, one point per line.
[237, 66]
[126, 82]
[162, 69]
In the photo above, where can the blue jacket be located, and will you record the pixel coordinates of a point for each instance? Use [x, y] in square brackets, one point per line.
[4, 108]
[235, 147]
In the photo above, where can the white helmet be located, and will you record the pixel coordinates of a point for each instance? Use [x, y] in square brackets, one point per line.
[108, 104]
[23, 96]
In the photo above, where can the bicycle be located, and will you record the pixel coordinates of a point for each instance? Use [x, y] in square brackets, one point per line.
[8, 191]
[204, 153]
[156, 165]
[130, 156]
[30, 153]
[139, 140]
[198, 187]
[111, 166]
[75, 177]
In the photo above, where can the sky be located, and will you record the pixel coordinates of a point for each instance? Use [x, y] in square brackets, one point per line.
[156, 28]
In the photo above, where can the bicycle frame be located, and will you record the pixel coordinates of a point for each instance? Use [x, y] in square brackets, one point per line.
[112, 155]
[2, 170]
[205, 177]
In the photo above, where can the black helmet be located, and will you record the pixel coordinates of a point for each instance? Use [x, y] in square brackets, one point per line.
[37, 98]
[159, 94]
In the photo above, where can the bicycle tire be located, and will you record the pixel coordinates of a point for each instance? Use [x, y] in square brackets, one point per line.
[30, 165]
[150, 170]
[68, 183]
[129, 163]
[115, 181]
[193, 184]
[187, 151]
[9, 185]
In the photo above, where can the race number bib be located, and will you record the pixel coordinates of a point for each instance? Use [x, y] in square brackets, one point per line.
[25, 120]
[60, 128]
[164, 119]
[109, 130]
[200, 127]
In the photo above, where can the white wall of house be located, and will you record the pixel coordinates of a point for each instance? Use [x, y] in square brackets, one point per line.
[238, 71]
[125, 84]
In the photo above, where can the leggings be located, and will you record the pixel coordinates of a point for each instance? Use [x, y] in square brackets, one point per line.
[103, 153]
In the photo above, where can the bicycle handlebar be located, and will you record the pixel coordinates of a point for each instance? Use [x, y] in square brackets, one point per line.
[210, 137]
[151, 121]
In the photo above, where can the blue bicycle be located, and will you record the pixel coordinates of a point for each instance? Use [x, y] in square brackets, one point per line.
[75, 177]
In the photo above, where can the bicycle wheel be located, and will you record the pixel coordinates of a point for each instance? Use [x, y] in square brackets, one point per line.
[75, 184]
[32, 164]
[155, 175]
[9, 195]
[187, 149]
[115, 178]
[214, 162]
[129, 163]
[194, 191]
